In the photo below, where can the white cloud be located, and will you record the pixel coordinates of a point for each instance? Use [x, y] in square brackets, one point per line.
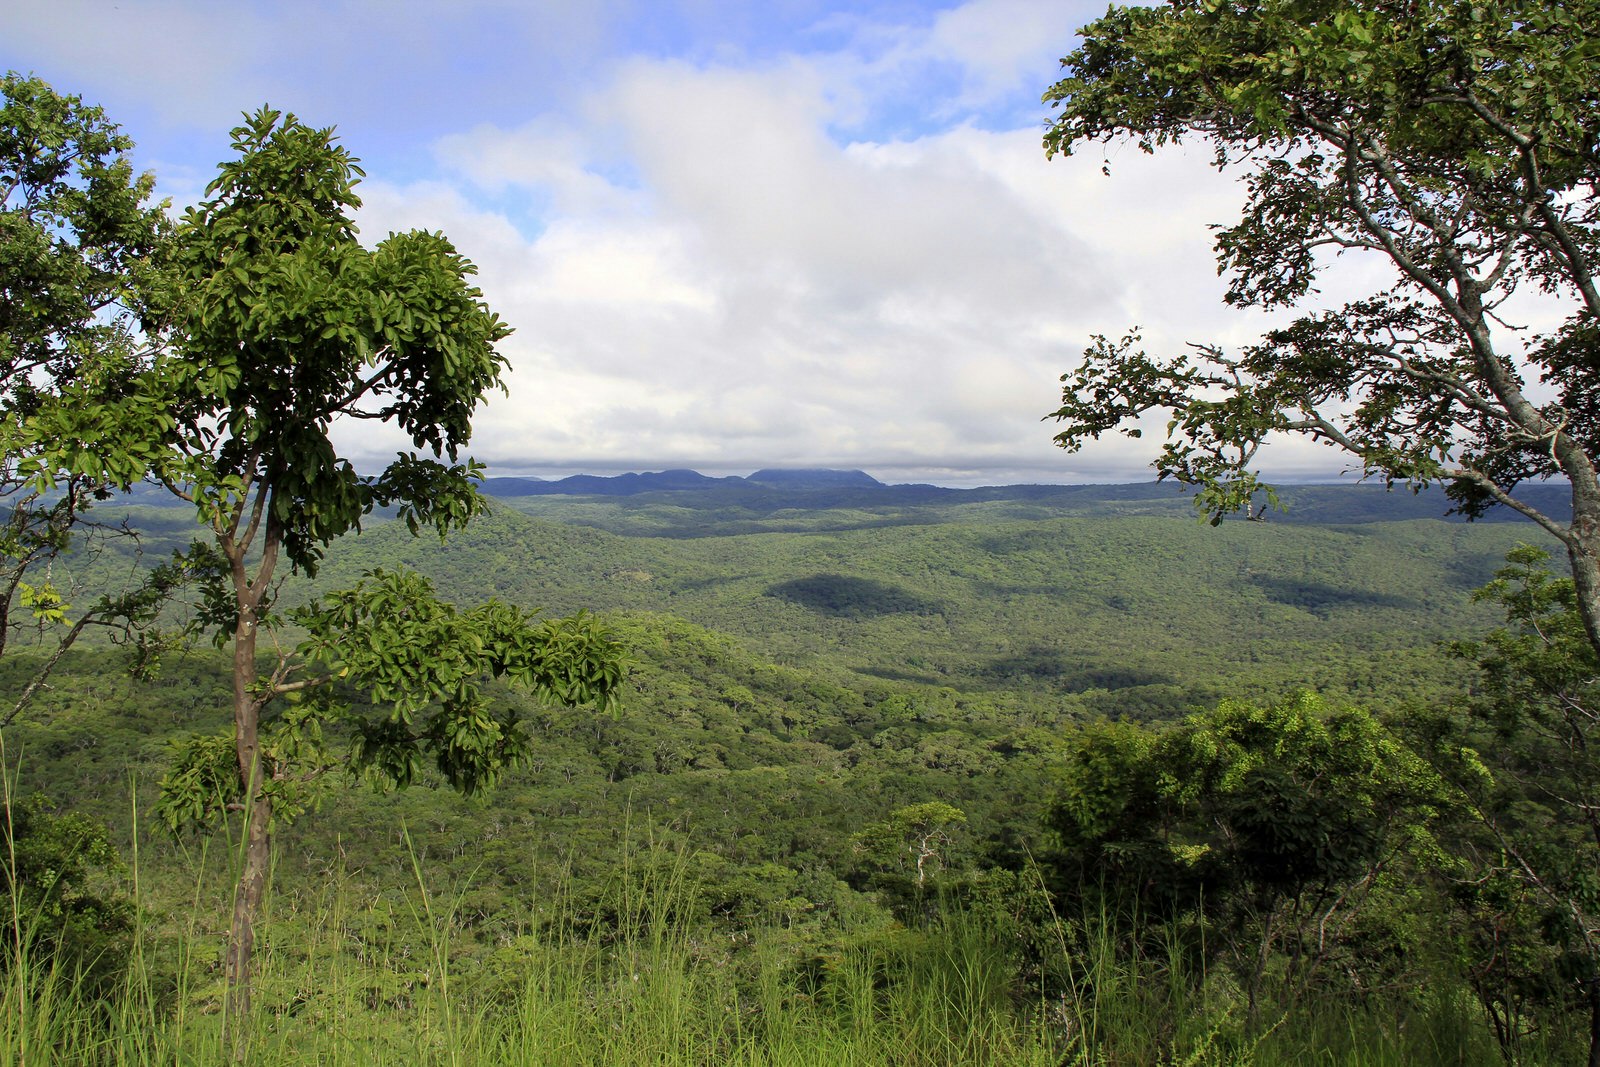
[1006, 48]
[385, 70]
[756, 293]
[852, 256]
[547, 159]
[180, 53]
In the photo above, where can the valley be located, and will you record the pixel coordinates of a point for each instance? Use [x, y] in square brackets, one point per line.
[788, 687]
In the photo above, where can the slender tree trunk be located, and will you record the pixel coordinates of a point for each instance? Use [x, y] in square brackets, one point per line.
[1583, 550]
[251, 889]
[246, 908]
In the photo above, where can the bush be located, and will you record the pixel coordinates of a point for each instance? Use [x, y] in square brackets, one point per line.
[58, 904]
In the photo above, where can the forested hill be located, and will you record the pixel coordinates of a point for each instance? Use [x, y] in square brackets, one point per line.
[1137, 615]
[821, 488]
[680, 503]
[1101, 600]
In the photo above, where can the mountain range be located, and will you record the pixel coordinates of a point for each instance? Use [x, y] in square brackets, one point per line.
[804, 479]
[817, 488]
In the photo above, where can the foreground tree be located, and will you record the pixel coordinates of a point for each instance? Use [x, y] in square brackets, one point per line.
[282, 324]
[1263, 838]
[81, 248]
[909, 851]
[1523, 754]
[1458, 142]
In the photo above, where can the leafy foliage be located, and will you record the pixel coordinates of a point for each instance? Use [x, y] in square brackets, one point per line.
[78, 239]
[393, 640]
[1252, 833]
[1521, 752]
[54, 899]
[1454, 143]
[81, 251]
[913, 845]
[286, 323]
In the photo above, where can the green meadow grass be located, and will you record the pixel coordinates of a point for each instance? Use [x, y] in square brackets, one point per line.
[345, 978]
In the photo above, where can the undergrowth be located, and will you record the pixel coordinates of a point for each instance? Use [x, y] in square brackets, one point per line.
[346, 976]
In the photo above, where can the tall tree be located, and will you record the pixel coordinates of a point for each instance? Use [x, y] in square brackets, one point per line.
[1458, 142]
[81, 248]
[281, 325]
[1523, 754]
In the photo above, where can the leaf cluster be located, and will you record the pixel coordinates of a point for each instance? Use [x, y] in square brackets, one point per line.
[83, 254]
[78, 236]
[54, 896]
[1456, 141]
[1521, 754]
[282, 322]
[1243, 829]
[392, 639]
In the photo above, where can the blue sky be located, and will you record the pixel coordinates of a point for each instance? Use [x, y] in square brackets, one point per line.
[729, 235]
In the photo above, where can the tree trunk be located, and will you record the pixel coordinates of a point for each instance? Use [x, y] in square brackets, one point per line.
[246, 908]
[251, 889]
[1583, 550]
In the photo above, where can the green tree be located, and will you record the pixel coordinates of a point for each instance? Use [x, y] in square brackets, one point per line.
[1524, 753]
[916, 839]
[1256, 834]
[81, 248]
[281, 325]
[1456, 142]
[53, 898]
[910, 849]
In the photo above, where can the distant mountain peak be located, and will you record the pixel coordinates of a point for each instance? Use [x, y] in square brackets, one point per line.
[813, 478]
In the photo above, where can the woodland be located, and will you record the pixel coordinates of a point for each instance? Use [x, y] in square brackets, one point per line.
[837, 770]
[302, 763]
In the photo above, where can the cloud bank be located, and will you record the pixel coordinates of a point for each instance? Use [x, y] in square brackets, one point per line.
[718, 280]
[812, 236]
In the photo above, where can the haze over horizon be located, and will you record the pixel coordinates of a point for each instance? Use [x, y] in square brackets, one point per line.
[729, 236]
[889, 480]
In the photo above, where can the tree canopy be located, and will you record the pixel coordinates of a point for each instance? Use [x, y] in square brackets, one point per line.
[81, 257]
[1520, 753]
[280, 324]
[1241, 827]
[287, 323]
[78, 235]
[1456, 141]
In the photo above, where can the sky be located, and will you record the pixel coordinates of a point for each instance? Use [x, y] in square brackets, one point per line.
[729, 235]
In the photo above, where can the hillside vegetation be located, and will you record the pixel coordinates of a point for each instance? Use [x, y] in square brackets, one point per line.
[788, 691]
[1100, 614]
[800, 768]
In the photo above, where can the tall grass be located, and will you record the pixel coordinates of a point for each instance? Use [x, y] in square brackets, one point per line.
[352, 976]
[349, 978]
[50, 1011]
